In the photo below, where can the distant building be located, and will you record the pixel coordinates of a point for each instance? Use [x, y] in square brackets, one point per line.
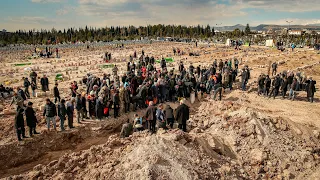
[144, 38]
[270, 31]
[160, 39]
[307, 31]
[296, 32]
[4, 31]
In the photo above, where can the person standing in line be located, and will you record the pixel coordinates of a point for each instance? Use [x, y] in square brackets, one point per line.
[33, 76]
[182, 115]
[57, 52]
[62, 112]
[126, 99]
[99, 108]
[26, 85]
[50, 113]
[274, 68]
[22, 93]
[160, 117]
[84, 106]
[56, 93]
[19, 124]
[116, 103]
[33, 88]
[44, 83]
[17, 100]
[31, 119]
[150, 115]
[70, 113]
[79, 108]
[168, 113]
[311, 89]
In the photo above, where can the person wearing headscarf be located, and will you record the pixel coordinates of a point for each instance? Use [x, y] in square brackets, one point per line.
[70, 113]
[99, 108]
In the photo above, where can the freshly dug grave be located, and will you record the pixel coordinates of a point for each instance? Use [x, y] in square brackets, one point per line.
[227, 141]
[22, 157]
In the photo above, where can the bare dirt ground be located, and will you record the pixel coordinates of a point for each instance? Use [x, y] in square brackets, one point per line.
[245, 136]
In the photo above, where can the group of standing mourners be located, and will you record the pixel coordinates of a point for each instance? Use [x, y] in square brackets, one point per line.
[145, 86]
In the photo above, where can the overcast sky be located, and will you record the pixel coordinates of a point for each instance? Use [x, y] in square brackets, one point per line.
[60, 14]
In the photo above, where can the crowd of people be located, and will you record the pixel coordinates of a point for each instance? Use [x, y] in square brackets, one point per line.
[286, 81]
[145, 86]
[48, 52]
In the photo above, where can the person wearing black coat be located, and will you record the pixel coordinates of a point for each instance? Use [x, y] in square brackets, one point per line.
[44, 83]
[276, 83]
[19, 124]
[33, 76]
[151, 117]
[126, 99]
[56, 93]
[84, 106]
[31, 119]
[311, 89]
[99, 108]
[267, 84]
[79, 108]
[62, 112]
[92, 106]
[168, 114]
[181, 67]
[163, 63]
[182, 115]
[70, 113]
[116, 104]
[244, 79]
[284, 86]
[198, 70]
[26, 85]
[21, 93]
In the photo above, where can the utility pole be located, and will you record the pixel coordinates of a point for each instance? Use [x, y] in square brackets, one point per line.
[219, 24]
[33, 33]
[289, 22]
[147, 29]
[173, 32]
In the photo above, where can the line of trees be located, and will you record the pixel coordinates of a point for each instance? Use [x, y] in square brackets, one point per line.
[54, 36]
[105, 34]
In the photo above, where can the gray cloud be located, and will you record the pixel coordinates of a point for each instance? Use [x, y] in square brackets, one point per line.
[186, 12]
[281, 5]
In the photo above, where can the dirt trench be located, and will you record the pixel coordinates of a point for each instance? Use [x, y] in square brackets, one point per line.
[49, 146]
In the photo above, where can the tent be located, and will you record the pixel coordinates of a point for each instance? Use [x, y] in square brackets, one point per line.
[269, 43]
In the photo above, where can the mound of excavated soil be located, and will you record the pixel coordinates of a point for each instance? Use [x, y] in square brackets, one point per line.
[227, 141]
